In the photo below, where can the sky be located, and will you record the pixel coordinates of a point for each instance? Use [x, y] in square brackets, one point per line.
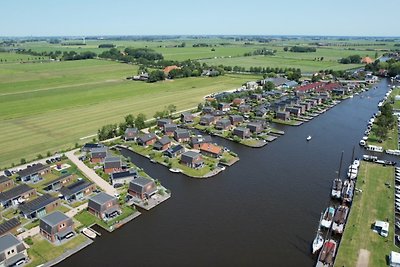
[199, 17]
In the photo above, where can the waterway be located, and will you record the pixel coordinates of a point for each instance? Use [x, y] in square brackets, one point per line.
[263, 211]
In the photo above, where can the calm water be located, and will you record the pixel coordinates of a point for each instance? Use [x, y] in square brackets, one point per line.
[263, 211]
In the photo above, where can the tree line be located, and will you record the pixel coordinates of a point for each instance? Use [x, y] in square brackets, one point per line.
[353, 59]
[113, 130]
[300, 49]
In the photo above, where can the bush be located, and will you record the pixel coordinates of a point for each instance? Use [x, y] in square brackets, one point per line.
[28, 241]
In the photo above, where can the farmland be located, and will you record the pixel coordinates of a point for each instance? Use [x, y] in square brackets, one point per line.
[50, 106]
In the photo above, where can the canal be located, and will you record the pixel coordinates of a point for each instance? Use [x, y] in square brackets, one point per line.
[263, 211]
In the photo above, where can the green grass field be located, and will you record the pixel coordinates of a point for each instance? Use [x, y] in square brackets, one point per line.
[50, 106]
[305, 64]
[376, 202]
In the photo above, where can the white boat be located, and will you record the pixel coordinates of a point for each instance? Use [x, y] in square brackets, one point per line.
[318, 241]
[309, 138]
[175, 170]
[362, 143]
[89, 233]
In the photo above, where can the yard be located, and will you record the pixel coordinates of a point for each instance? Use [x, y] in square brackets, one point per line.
[376, 202]
[43, 251]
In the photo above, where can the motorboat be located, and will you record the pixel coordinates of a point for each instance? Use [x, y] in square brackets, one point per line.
[327, 218]
[327, 254]
[309, 138]
[339, 220]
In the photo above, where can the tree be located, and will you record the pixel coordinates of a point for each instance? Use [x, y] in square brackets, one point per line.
[171, 109]
[200, 107]
[269, 86]
[155, 76]
[130, 120]
[140, 121]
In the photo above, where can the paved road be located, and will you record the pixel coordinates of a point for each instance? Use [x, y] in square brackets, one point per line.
[91, 174]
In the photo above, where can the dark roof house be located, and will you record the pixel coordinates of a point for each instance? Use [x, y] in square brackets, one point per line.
[181, 135]
[77, 190]
[162, 143]
[104, 206]
[56, 226]
[142, 188]
[12, 251]
[192, 159]
[39, 207]
[123, 177]
[16, 195]
[131, 134]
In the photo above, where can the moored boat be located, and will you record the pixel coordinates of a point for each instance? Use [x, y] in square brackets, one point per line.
[336, 188]
[327, 255]
[318, 241]
[339, 220]
[309, 138]
[327, 218]
[89, 233]
[347, 191]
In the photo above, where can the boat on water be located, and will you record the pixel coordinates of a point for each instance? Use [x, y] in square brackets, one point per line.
[348, 190]
[353, 172]
[337, 183]
[318, 241]
[337, 188]
[327, 218]
[308, 138]
[89, 233]
[327, 255]
[339, 220]
[175, 170]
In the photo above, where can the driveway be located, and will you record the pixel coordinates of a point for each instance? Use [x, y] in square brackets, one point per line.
[91, 174]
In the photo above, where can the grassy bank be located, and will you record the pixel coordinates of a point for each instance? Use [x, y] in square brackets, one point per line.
[376, 202]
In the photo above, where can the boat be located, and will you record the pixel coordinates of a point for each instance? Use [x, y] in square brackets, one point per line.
[318, 242]
[175, 170]
[362, 143]
[339, 220]
[89, 233]
[153, 161]
[309, 138]
[336, 188]
[337, 183]
[327, 218]
[319, 239]
[327, 254]
[347, 191]
[353, 172]
[370, 158]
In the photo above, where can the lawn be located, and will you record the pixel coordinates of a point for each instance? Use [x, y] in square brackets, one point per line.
[43, 251]
[50, 106]
[376, 202]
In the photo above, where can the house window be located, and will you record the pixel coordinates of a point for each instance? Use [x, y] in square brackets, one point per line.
[62, 225]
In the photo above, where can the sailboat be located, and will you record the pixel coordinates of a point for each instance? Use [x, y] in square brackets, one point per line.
[337, 183]
[319, 239]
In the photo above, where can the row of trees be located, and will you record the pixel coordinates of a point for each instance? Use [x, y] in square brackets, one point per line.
[300, 49]
[113, 130]
[262, 51]
[167, 112]
[72, 55]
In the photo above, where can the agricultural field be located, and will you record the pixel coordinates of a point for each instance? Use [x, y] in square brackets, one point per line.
[6, 57]
[51, 106]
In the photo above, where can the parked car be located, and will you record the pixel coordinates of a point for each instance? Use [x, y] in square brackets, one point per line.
[7, 173]
[48, 161]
